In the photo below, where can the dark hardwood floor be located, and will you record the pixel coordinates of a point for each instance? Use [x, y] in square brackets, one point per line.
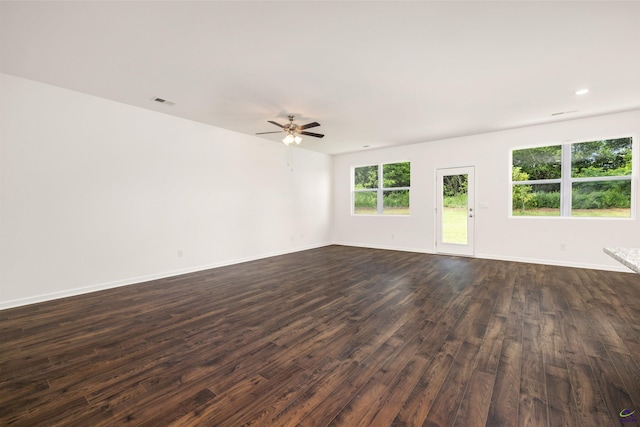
[333, 336]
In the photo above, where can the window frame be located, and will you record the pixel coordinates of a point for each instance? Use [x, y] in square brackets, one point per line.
[379, 190]
[566, 179]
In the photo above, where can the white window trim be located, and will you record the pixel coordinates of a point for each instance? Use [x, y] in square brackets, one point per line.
[380, 190]
[566, 180]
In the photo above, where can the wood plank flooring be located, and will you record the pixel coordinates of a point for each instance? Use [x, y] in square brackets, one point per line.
[335, 336]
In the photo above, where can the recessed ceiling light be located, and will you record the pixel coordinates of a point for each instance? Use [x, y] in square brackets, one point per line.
[583, 91]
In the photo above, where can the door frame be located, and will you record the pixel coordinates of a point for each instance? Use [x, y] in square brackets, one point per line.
[441, 247]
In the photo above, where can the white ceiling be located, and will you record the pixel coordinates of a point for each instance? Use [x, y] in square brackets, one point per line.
[372, 73]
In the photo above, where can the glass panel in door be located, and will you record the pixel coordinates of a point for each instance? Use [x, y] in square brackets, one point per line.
[454, 209]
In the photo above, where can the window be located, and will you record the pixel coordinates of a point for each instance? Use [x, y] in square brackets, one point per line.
[382, 189]
[584, 179]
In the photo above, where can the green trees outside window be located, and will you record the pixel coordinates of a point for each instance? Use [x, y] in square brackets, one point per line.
[590, 178]
[382, 189]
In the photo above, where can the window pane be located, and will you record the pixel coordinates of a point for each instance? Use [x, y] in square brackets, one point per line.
[538, 163]
[601, 199]
[365, 202]
[610, 157]
[395, 202]
[396, 175]
[366, 177]
[536, 200]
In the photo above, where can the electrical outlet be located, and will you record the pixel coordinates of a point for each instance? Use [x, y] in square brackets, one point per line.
[180, 253]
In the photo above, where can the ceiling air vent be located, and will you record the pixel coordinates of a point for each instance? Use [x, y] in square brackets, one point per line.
[564, 112]
[163, 101]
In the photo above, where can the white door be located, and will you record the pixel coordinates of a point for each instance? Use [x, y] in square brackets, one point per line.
[455, 211]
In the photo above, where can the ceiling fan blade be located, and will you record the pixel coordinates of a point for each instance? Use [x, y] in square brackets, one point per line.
[309, 125]
[274, 123]
[317, 135]
[263, 133]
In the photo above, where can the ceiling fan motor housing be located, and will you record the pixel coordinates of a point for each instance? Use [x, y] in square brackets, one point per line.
[290, 127]
[294, 131]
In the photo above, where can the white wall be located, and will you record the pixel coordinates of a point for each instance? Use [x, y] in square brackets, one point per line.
[536, 240]
[96, 194]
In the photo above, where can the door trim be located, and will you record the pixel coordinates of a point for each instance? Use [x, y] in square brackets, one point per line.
[441, 247]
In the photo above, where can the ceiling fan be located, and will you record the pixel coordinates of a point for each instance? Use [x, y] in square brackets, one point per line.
[294, 131]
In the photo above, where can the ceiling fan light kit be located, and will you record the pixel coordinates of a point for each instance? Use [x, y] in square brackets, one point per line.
[293, 131]
[291, 138]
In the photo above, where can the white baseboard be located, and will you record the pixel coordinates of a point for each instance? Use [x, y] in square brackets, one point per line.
[384, 247]
[620, 269]
[141, 279]
[604, 267]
